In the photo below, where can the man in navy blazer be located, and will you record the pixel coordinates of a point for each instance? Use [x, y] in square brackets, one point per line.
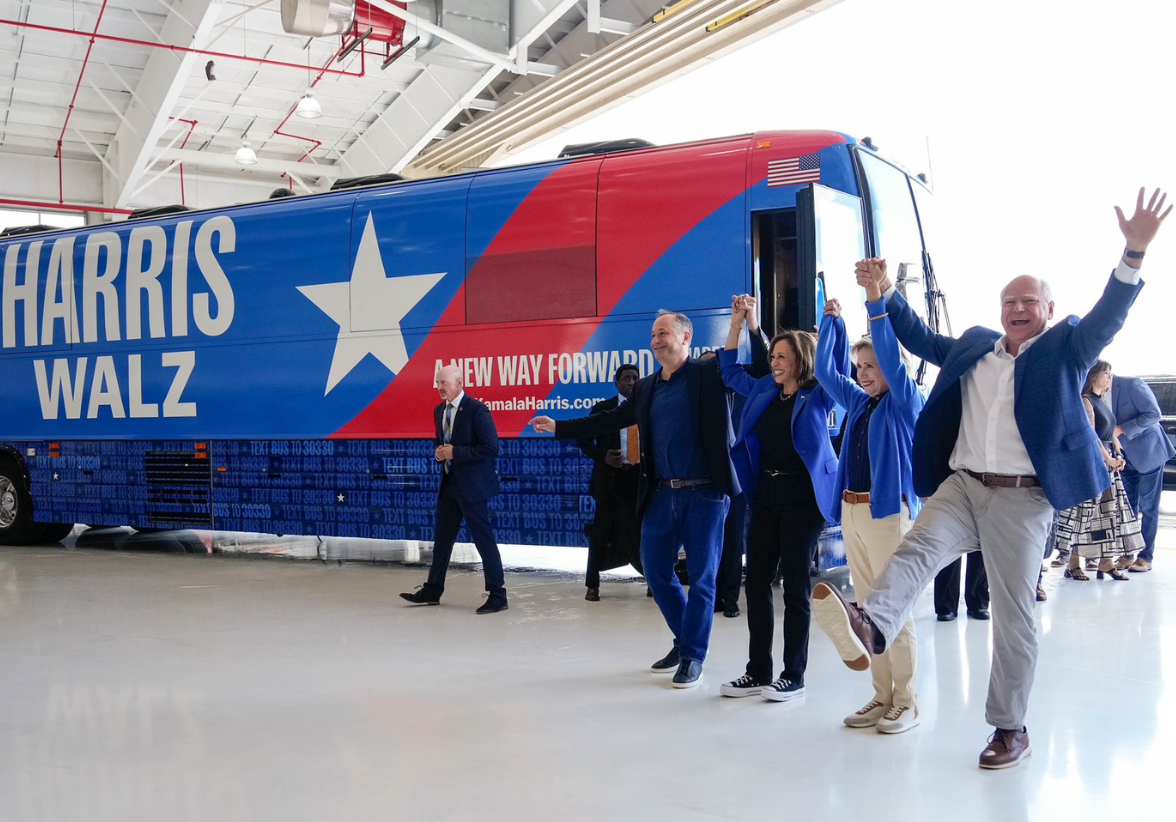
[466, 452]
[684, 487]
[1147, 448]
[1002, 441]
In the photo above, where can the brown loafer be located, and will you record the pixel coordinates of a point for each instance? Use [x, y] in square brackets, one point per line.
[1005, 749]
[593, 595]
[847, 625]
[1140, 566]
[1041, 597]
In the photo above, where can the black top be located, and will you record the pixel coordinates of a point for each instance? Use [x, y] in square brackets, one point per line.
[774, 429]
[859, 450]
[1104, 418]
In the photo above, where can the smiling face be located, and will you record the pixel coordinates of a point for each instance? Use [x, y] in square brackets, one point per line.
[1102, 383]
[869, 375]
[449, 382]
[1025, 309]
[783, 363]
[670, 346]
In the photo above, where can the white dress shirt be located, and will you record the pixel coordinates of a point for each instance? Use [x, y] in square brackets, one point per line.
[624, 433]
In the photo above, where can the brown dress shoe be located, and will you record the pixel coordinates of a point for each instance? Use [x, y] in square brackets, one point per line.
[593, 595]
[1041, 597]
[1140, 566]
[1005, 749]
[848, 626]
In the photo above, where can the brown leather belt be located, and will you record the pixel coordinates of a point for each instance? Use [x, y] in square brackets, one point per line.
[1004, 480]
[855, 497]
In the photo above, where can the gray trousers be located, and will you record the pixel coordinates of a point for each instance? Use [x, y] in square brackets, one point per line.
[1011, 524]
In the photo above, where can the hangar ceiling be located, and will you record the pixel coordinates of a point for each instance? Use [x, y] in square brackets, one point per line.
[116, 104]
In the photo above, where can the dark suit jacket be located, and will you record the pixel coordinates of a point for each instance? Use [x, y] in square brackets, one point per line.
[475, 449]
[1047, 391]
[708, 396]
[604, 476]
[1145, 444]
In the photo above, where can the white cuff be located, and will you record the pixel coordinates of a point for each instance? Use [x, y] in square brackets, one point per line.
[888, 293]
[1126, 274]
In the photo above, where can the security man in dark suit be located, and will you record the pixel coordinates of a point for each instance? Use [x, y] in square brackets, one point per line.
[614, 487]
[467, 448]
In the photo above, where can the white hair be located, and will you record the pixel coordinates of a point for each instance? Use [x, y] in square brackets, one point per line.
[1042, 288]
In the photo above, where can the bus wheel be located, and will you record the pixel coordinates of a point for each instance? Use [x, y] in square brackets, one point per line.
[57, 531]
[16, 508]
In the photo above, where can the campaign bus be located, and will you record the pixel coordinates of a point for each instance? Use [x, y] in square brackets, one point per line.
[268, 367]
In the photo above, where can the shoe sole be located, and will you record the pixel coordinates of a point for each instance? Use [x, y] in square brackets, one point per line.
[480, 612]
[673, 669]
[684, 685]
[834, 621]
[736, 693]
[773, 696]
[857, 722]
[408, 602]
[1012, 764]
[888, 729]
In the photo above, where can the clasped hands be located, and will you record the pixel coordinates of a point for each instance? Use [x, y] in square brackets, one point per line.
[443, 452]
[743, 308]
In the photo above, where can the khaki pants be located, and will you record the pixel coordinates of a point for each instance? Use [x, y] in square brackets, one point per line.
[869, 545]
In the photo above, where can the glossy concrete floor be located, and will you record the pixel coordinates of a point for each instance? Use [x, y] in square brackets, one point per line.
[140, 685]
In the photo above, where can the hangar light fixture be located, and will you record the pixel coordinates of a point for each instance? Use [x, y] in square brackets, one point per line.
[308, 108]
[246, 156]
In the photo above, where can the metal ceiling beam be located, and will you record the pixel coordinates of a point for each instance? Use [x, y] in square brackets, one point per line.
[155, 98]
[209, 159]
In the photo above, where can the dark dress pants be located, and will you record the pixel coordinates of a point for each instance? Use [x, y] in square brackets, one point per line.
[616, 521]
[785, 524]
[1143, 491]
[731, 562]
[947, 586]
[452, 508]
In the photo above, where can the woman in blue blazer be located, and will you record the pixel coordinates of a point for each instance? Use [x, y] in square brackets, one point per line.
[875, 485]
[786, 467]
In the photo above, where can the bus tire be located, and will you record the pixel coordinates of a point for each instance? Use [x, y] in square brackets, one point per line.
[57, 531]
[16, 507]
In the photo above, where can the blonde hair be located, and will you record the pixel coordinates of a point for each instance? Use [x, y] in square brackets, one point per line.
[867, 342]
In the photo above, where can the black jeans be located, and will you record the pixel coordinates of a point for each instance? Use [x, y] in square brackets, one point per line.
[731, 562]
[785, 525]
[947, 586]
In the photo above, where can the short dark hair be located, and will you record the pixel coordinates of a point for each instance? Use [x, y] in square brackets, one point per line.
[626, 367]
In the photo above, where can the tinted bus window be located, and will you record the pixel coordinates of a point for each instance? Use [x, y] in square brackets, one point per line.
[897, 237]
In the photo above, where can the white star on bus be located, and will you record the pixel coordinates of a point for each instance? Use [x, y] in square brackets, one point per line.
[369, 309]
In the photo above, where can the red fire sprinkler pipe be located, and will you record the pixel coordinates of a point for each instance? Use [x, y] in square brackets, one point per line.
[61, 137]
[64, 207]
[317, 143]
[191, 126]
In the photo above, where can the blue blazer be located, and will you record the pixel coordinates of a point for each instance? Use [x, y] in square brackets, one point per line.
[810, 432]
[1047, 388]
[892, 427]
[475, 449]
[1145, 444]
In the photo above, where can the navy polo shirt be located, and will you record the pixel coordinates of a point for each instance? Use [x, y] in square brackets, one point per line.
[677, 451]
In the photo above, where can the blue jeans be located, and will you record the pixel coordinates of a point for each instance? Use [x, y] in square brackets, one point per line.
[1143, 490]
[692, 518]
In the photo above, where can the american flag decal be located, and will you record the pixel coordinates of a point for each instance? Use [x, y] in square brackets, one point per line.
[794, 170]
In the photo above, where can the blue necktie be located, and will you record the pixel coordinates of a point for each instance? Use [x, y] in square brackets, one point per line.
[447, 432]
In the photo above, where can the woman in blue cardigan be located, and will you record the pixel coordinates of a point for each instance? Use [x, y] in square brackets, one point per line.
[875, 485]
[786, 467]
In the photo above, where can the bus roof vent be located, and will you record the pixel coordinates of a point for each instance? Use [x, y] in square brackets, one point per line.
[17, 230]
[369, 180]
[156, 211]
[602, 147]
[279, 193]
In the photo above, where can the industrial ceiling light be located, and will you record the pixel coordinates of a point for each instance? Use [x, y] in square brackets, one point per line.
[245, 155]
[308, 108]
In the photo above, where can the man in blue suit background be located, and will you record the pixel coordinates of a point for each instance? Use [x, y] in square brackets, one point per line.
[467, 451]
[1146, 447]
[1002, 441]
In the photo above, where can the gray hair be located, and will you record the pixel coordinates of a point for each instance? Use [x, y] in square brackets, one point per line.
[1042, 288]
[681, 321]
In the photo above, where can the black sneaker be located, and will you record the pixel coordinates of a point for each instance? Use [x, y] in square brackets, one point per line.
[667, 663]
[783, 690]
[493, 605]
[421, 597]
[689, 674]
[731, 611]
[743, 686]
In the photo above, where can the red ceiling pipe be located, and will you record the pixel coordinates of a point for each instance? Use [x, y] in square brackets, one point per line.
[317, 143]
[64, 207]
[191, 126]
[81, 73]
[167, 47]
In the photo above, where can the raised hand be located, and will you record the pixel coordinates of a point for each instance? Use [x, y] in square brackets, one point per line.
[544, 425]
[833, 308]
[1141, 229]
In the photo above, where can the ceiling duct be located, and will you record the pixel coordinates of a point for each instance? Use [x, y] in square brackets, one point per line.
[485, 23]
[317, 18]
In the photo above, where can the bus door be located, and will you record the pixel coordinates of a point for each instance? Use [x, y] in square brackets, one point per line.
[830, 240]
[774, 268]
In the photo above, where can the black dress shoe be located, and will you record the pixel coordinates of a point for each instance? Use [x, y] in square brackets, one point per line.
[979, 613]
[421, 597]
[492, 606]
[593, 595]
[948, 617]
[731, 610]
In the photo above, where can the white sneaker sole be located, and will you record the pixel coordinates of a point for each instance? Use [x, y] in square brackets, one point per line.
[736, 693]
[776, 696]
[684, 685]
[671, 670]
[855, 721]
[896, 727]
[834, 621]
[1012, 764]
